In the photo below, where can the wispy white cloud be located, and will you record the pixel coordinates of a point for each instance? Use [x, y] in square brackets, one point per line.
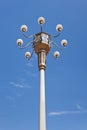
[79, 107]
[16, 85]
[30, 74]
[11, 98]
[29, 64]
[14, 98]
[72, 112]
[19, 95]
[20, 85]
[67, 112]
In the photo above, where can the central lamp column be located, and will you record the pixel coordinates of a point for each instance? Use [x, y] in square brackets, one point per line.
[42, 112]
[42, 47]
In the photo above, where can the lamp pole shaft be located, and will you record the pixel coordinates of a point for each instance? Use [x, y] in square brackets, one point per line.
[42, 112]
[42, 118]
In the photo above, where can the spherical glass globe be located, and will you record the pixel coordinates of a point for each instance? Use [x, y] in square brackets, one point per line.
[41, 20]
[20, 42]
[28, 55]
[56, 54]
[59, 27]
[64, 42]
[24, 28]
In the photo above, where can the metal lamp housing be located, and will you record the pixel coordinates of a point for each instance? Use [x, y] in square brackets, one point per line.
[42, 42]
[42, 47]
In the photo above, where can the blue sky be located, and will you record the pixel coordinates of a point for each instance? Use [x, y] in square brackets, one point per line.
[66, 78]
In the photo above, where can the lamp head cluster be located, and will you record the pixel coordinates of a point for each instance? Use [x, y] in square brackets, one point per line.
[41, 40]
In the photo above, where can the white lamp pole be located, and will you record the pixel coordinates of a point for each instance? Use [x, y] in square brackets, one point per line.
[41, 45]
[42, 116]
[42, 112]
[42, 49]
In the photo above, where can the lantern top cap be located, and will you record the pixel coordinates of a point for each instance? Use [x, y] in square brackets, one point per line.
[42, 33]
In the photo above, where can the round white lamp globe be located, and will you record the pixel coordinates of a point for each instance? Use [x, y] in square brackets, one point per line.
[28, 55]
[24, 28]
[41, 20]
[56, 54]
[20, 42]
[64, 43]
[59, 27]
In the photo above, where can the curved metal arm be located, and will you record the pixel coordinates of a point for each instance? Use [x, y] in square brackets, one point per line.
[27, 36]
[32, 53]
[40, 28]
[57, 35]
[26, 45]
[61, 48]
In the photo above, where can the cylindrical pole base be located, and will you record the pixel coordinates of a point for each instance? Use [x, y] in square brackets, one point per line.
[42, 118]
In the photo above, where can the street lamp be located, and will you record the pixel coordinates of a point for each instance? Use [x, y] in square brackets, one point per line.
[41, 44]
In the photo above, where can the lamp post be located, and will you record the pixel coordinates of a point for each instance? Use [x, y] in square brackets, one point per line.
[41, 45]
